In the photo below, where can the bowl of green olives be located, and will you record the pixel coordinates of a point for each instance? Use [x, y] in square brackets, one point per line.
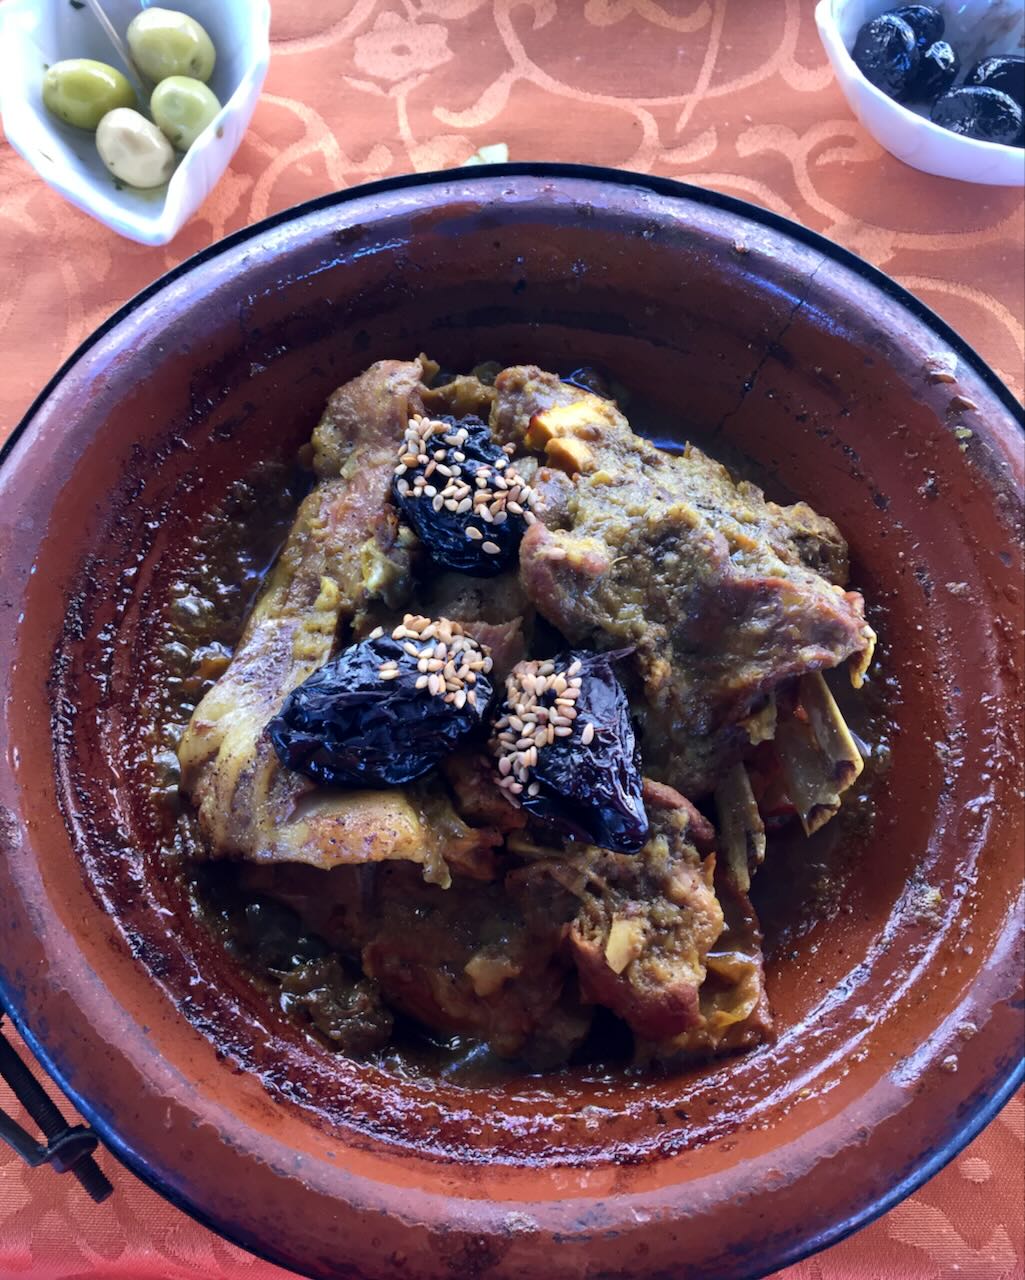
[135, 133]
[941, 86]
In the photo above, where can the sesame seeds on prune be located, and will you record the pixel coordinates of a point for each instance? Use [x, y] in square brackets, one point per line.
[886, 53]
[462, 495]
[566, 750]
[388, 708]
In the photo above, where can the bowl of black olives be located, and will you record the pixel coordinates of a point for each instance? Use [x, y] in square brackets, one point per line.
[941, 86]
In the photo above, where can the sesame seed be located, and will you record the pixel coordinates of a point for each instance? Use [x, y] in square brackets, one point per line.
[389, 673]
[491, 548]
[471, 532]
[376, 634]
[438, 502]
[588, 734]
[533, 789]
[421, 682]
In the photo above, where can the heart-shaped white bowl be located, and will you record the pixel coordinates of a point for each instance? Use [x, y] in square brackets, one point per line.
[36, 33]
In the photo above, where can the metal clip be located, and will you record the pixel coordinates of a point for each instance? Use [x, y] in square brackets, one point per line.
[68, 1149]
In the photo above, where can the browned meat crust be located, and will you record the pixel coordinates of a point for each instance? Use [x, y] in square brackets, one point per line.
[344, 553]
[718, 590]
[478, 798]
[644, 928]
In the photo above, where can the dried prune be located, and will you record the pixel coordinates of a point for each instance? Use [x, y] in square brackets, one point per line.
[567, 752]
[925, 21]
[464, 498]
[937, 70]
[975, 112]
[1005, 72]
[886, 53]
[387, 709]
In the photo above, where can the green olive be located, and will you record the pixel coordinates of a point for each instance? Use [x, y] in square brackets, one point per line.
[80, 91]
[134, 149]
[166, 43]
[183, 108]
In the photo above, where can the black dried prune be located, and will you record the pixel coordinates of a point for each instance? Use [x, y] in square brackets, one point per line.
[985, 114]
[886, 53]
[387, 709]
[1005, 72]
[458, 490]
[925, 21]
[937, 70]
[567, 752]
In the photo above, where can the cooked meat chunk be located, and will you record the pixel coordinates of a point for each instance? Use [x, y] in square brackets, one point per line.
[474, 959]
[478, 798]
[496, 612]
[658, 795]
[644, 929]
[733, 1007]
[718, 590]
[344, 553]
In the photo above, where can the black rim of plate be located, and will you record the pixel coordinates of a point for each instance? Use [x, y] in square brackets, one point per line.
[1003, 1085]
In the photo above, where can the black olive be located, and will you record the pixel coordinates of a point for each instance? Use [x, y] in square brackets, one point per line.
[588, 379]
[937, 70]
[441, 501]
[925, 21]
[584, 784]
[349, 725]
[886, 52]
[1005, 72]
[975, 112]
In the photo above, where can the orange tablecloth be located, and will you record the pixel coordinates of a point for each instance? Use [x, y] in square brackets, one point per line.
[732, 94]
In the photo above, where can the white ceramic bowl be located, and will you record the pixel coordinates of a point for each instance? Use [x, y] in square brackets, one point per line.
[976, 28]
[36, 33]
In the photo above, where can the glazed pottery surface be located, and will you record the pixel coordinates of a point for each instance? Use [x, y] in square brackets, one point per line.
[898, 1003]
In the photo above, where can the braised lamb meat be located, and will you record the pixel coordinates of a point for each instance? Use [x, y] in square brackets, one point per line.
[724, 595]
[650, 638]
[345, 553]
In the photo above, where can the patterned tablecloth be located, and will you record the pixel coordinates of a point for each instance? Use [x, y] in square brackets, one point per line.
[732, 94]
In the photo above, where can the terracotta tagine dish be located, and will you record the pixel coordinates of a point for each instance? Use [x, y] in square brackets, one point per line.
[892, 941]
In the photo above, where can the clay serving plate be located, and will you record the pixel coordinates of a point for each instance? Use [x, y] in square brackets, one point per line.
[894, 966]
